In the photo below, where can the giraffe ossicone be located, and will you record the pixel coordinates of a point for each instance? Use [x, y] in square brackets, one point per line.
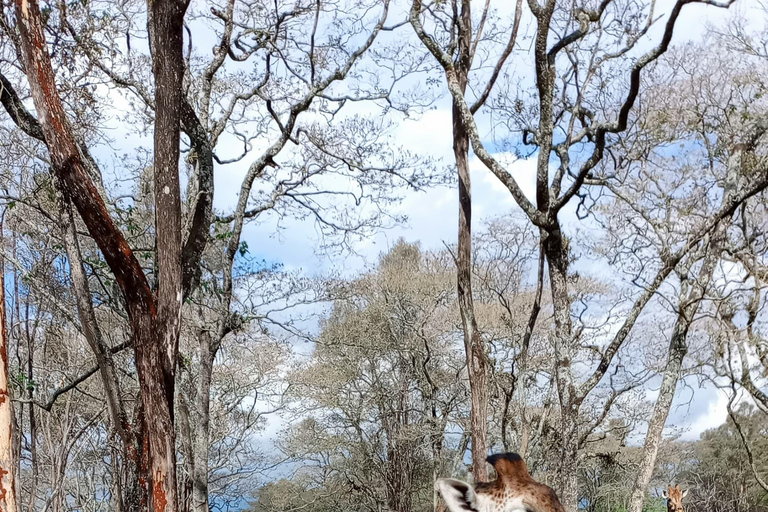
[674, 496]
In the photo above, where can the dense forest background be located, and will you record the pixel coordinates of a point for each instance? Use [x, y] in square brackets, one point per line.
[311, 255]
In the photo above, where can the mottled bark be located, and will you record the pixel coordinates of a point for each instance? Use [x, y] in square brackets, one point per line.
[200, 196]
[556, 253]
[201, 442]
[156, 357]
[154, 323]
[691, 295]
[7, 461]
[473, 343]
[677, 350]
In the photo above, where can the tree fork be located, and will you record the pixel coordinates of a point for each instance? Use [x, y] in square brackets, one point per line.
[155, 323]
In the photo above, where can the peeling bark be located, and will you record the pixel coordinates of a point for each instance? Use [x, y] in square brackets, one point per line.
[7, 462]
[155, 322]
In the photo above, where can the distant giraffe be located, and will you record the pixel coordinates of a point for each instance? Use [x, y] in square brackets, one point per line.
[674, 497]
[513, 490]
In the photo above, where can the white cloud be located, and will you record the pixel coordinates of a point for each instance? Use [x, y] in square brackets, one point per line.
[714, 416]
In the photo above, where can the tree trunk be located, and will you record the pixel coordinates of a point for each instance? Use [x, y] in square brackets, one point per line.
[185, 442]
[32, 418]
[18, 421]
[556, 253]
[400, 448]
[16, 454]
[156, 357]
[155, 383]
[677, 351]
[691, 295]
[125, 467]
[399, 474]
[155, 322]
[202, 425]
[7, 462]
[473, 343]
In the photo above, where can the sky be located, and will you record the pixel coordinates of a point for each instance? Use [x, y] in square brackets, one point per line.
[433, 218]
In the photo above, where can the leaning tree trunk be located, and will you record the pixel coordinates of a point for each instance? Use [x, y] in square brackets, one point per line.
[155, 321]
[690, 299]
[7, 463]
[677, 350]
[125, 467]
[691, 294]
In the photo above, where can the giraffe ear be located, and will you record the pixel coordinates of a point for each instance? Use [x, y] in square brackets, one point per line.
[685, 493]
[665, 493]
[459, 496]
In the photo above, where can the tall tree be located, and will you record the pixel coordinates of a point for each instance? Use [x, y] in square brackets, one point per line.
[7, 463]
[722, 151]
[464, 42]
[154, 318]
[355, 149]
[563, 125]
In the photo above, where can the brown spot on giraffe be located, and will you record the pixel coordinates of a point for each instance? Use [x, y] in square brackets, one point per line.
[513, 490]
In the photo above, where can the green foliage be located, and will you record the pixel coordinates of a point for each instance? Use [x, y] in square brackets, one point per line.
[719, 473]
[655, 504]
[381, 389]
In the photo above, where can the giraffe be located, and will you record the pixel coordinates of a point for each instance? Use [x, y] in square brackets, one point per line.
[513, 490]
[674, 497]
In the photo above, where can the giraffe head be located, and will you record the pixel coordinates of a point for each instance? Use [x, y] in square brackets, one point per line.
[674, 497]
[513, 490]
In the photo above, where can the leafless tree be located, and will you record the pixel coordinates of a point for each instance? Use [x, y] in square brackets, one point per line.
[574, 120]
